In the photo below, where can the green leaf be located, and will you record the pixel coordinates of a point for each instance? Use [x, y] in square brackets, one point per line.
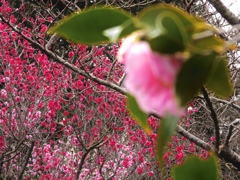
[140, 117]
[219, 80]
[152, 19]
[169, 27]
[95, 26]
[167, 127]
[196, 169]
[165, 29]
[164, 44]
[192, 76]
[205, 41]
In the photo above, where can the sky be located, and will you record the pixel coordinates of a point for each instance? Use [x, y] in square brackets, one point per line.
[233, 5]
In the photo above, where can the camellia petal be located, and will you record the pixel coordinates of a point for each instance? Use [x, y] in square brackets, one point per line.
[150, 77]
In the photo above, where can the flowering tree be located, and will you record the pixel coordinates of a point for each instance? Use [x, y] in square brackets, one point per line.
[63, 112]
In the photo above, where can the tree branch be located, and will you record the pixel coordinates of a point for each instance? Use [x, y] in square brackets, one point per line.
[214, 118]
[29, 153]
[229, 156]
[235, 106]
[226, 154]
[194, 139]
[1, 162]
[225, 12]
[65, 63]
[189, 5]
[84, 156]
[228, 136]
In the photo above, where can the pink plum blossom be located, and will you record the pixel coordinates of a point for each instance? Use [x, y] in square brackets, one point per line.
[150, 77]
[3, 94]
[2, 142]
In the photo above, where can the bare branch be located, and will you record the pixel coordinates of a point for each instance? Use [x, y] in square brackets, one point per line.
[194, 139]
[29, 153]
[66, 63]
[229, 135]
[214, 117]
[225, 12]
[229, 156]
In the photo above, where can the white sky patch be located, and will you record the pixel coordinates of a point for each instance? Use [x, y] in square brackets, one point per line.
[233, 5]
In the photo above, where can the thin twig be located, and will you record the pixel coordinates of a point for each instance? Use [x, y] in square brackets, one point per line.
[189, 5]
[117, 88]
[194, 139]
[88, 150]
[229, 134]
[66, 63]
[29, 153]
[214, 117]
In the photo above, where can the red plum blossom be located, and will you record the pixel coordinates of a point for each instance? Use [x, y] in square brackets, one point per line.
[150, 76]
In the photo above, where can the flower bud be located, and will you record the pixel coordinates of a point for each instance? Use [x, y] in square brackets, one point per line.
[150, 76]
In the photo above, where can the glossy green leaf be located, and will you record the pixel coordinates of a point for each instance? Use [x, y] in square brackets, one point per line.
[171, 40]
[205, 41]
[179, 31]
[196, 169]
[167, 127]
[152, 18]
[164, 44]
[192, 76]
[165, 29]
[140, 117]
[95, 26]
[219, 80]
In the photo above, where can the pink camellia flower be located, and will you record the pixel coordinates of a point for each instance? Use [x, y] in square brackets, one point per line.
[150, 76]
